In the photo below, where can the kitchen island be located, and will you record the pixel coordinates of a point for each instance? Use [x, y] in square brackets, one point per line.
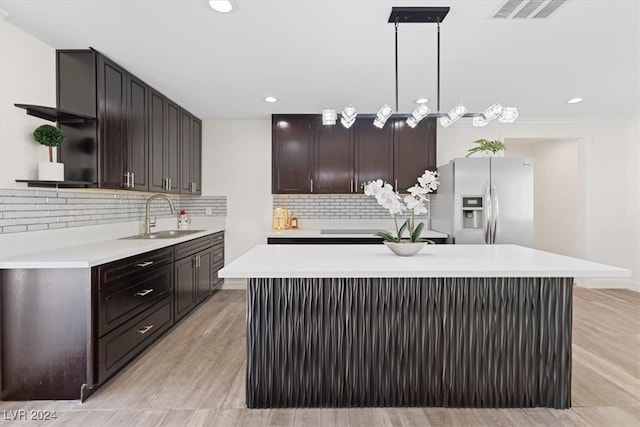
[454, 326]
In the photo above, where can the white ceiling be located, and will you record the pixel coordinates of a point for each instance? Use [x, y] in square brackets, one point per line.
[314, 54]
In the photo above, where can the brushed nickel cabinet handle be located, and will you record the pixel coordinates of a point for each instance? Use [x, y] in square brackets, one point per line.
[144, 264]
[133, 179]
[396, 187]
[312, 185]
[219, 255]
[144, 292]
[169, 185]
[145, 329]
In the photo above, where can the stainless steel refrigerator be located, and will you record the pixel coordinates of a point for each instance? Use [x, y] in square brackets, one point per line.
[485, 200]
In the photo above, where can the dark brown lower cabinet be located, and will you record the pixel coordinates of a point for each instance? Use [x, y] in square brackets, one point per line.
[119, 346]
[85, 324]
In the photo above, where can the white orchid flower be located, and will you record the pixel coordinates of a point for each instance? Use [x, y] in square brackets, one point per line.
[419, 208]
[416, 191]
[373, 187]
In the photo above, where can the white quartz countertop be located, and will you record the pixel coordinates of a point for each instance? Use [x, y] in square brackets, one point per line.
[346, 233]
[316, 261]
[90, 255]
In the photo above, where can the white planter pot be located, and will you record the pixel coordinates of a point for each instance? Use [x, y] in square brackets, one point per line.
[50, 171]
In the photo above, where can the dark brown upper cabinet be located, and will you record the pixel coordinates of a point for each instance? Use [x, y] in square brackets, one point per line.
[190, 153]
[292, 153]
[164, 144]
[309, 157]
[414, 151]
[333, 159]
[373, 153]
[137, 141]
[137, 123]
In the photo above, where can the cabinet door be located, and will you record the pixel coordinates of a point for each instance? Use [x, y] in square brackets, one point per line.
[373, 153]
[196, 155]
[333, 159]
[173, 146]
[137, 132]
[157, 141]
[291, 154]
[112, 115]
[186, 151]
[203, 274]
[185, 297]
[414, 151]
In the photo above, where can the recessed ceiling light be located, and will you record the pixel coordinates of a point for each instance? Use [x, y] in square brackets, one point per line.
[222, 6]
[575, 100]
[270, 99]
[422, 101]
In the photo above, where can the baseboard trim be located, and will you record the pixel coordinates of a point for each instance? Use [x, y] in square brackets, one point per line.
[234, 284]
[610, 284]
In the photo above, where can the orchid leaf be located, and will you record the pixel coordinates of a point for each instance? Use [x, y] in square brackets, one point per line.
[416, 233]
[405, 226]
[386, 236]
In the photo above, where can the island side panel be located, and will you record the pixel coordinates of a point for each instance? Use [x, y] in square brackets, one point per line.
[443, 342]
[45, 333]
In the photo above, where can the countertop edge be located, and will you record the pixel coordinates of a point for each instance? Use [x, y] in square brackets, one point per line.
[80, 256]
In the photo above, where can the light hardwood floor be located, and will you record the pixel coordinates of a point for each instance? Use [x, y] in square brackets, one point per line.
[195, 377]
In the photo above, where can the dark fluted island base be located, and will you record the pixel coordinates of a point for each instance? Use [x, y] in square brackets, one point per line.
[450, 342]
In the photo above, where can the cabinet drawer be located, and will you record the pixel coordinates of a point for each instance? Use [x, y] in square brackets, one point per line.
[191, 247]
[128, 340]
[218, 255]
[128, 268]
[117, 305]
[215, 280]
[218, 238]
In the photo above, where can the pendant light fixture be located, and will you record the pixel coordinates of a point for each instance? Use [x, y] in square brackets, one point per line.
[428, 15]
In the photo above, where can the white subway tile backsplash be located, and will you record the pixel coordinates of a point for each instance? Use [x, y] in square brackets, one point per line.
[332, 206]
[30, 210]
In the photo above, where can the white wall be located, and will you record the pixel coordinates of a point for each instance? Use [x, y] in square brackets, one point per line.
[27, 76]
[236, 162]
[607, 172]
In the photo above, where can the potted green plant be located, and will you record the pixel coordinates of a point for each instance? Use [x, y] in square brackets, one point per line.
[487, 148]
[49, 136]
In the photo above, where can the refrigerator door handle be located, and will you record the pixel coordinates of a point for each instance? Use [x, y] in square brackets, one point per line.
[486, 226]
[496, 214]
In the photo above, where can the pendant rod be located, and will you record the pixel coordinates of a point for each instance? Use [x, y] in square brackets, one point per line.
[397, 22]
[438, 64]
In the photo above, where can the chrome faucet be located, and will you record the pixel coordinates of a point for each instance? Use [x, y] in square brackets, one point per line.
[147, 219]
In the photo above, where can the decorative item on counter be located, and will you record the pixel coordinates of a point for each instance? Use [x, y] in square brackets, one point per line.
[183, 220]
[486, 148]
[49, 136]
[293, 221]
[280, 219]
[415, 202]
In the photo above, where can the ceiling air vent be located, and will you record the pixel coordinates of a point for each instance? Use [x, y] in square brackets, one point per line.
[525, 9]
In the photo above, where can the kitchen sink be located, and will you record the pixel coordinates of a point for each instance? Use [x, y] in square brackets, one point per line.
[164, 234]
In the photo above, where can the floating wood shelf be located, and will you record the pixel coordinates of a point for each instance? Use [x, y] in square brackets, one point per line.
[55, 115]
[58, 184]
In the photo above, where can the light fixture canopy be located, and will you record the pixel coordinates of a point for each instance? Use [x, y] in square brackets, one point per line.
[271, 99]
